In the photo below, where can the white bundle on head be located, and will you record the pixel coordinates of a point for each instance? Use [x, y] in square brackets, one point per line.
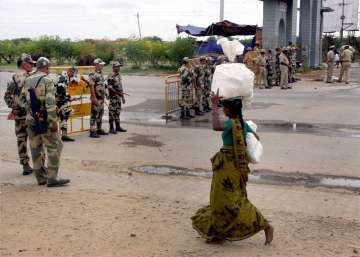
[231, 48]
[234, 80]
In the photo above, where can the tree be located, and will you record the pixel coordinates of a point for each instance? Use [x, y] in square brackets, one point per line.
[7, 51]
[137, 52]
[180, 48]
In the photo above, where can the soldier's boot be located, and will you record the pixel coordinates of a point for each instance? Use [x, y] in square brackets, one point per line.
[41, 176]
[182, 115]
[118, 127]
[57, 182]
[188, 114]
[93, 134]
[198, 112]
[65, 137]
[112, 129]
[100, 131]
[27, 170]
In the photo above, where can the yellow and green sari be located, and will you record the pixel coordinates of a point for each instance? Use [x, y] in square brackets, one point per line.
[230, 215]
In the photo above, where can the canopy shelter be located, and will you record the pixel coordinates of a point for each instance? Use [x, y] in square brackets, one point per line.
[223, 28]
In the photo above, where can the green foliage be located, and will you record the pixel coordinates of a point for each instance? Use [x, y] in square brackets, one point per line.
[180, 48]
[150, 50]
[138, 52]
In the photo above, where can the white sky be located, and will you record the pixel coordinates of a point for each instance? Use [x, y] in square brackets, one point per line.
[117, 18]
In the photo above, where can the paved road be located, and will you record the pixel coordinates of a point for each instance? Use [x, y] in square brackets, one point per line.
[314, 128]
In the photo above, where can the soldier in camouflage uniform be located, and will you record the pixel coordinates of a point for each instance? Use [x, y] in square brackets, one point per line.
[116, 94]
[98, 94]
[200, 71]
[62, 101]
[38, 98]
[11, 98]
[292, 58]
[186, 79]
[277, 67]
[209, 70]
[269, 68]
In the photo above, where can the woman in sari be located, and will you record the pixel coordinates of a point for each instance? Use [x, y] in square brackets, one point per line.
[230, 215]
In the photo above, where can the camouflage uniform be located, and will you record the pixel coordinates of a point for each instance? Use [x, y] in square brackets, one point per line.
[97, 79]
[200, 87]
[208, 80]
[45, 93]
[277, 70]
[186, 78]
[116, 93]
[269, 68]
[11, 98]
[291, 54]
[62, 102]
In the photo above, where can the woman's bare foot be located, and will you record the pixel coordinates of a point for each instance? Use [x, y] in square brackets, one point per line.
[216, 241]
[269, 234]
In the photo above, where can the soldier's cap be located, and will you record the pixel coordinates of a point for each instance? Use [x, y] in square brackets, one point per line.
[262, 51]
[117, 64]
[332, 47]
[186, 59]
[42, 62]
[26, 58]
[99, 61]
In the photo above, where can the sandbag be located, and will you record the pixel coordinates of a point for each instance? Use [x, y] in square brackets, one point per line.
[233, 80]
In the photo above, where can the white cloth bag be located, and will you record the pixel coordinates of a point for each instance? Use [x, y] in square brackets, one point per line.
[233, 80]
[254, 148]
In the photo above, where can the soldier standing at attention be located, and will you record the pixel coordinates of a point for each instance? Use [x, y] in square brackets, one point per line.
[277, 67]
[199, 80]
[62, 101]
[330, 58]
[38, 98]
[186, 78]
[284, 69]
[209, 70]
[345, 59]
[98, 92]
[261, 67]
[116, 94]
[11, 98]
[269, 68]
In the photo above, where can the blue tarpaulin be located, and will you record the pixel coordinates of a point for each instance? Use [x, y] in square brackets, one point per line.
[223, 28]
[210, 47]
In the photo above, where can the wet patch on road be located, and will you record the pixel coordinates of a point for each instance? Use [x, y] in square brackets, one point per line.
[142, 140]
[262, 177]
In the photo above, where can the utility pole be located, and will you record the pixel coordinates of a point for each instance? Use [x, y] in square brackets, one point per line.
[342, 20]
[221, 10]
[138, 20]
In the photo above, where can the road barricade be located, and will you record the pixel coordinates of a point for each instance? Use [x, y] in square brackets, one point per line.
[80, 95]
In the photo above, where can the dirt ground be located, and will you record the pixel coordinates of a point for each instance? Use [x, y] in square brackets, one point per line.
[130, 214]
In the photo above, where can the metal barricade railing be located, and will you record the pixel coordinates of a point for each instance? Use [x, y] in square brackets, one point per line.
[172, 97]
[172, 94]
[79, 90]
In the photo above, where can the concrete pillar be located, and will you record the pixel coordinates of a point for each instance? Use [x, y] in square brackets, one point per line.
[310, 32]
[291, 21]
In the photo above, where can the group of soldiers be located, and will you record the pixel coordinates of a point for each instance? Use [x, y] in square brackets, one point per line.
[195, 97]
[272, 70]
[346, 56]
[39, 102]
